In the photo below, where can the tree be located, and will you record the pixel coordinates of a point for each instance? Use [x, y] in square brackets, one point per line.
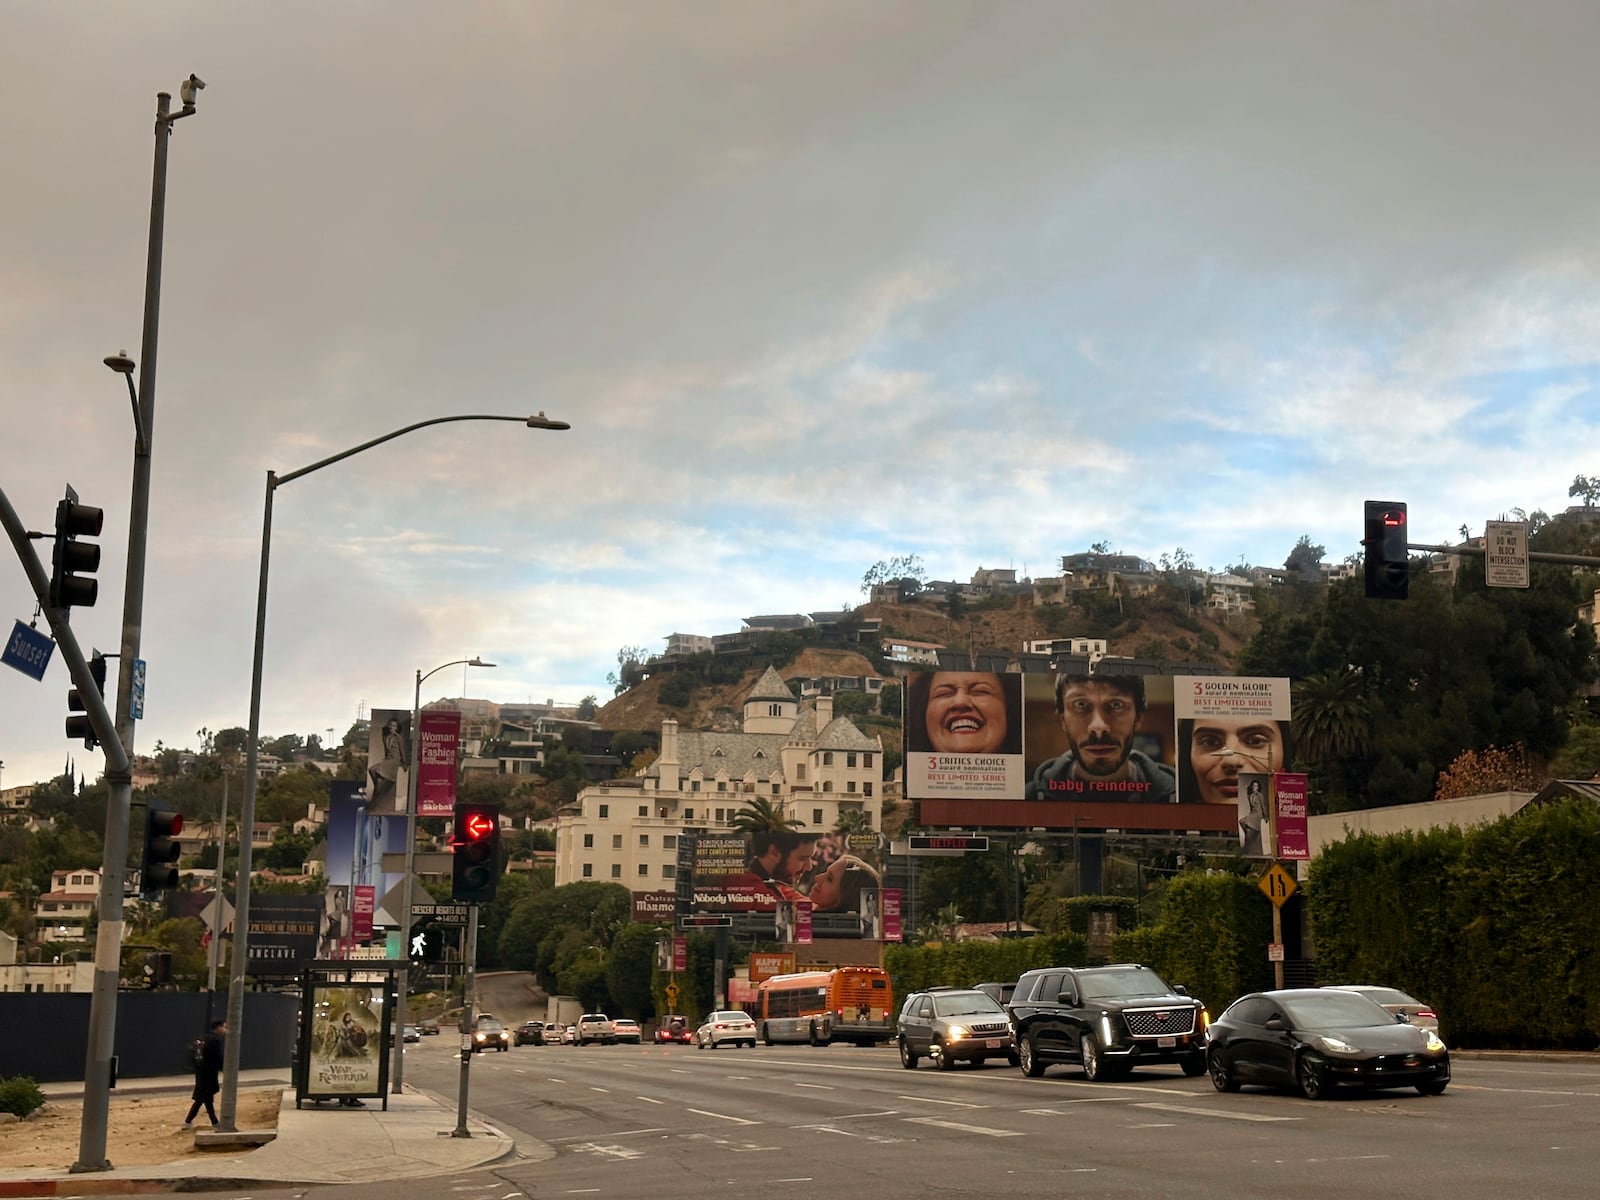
[1477, 773]
[891, 700]
[628, 670]
[1332, 723]
[852, 820]
[587, 707]
[630, 966]
[1305, 559]
[906, 566]
[1587, 488]
[1580, 757]
[761, 815]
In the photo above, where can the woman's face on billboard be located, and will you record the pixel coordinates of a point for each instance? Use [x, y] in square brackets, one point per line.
[966, 712]
[1221, 747]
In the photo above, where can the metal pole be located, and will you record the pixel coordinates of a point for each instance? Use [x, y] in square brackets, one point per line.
[469, 996]
[397, 1071]
[108, 941]
[227, 1110]
[247, 809]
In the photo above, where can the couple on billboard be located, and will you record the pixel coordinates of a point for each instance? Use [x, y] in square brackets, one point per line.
[794, 865]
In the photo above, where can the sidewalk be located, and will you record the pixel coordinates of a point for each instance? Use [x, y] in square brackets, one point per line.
[330, 1144]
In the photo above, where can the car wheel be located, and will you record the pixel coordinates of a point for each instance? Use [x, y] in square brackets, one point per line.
[1221, 1078]
[1013, 1058]
[1194, 1064]
[942, 1056]
[1094, 1066]
[1028, 1057]
[1434, 1087]
[1308, 1075]
[908, 1057]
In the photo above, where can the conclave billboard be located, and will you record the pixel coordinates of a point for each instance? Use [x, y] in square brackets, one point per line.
[1089, 751]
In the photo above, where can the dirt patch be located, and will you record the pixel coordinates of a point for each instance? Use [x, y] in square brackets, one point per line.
[140, 1130]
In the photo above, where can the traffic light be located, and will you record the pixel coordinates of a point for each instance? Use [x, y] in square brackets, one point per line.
[72, 560]
[475, 866]
[1388, 564]
[157, 873]
[80, 726]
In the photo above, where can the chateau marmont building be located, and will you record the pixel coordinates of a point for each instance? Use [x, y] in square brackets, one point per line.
[813, 764]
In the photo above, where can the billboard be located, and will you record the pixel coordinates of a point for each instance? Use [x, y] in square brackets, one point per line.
[356, 843]
[787, 873]
[283, 933]
[1089, 750]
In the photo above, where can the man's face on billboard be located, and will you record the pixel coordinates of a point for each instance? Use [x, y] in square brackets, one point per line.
[797, 862]
[966, 712]
[1099, 719]
[1221, 747]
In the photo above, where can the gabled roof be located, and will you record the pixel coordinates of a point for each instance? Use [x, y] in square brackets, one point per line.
[841, 734]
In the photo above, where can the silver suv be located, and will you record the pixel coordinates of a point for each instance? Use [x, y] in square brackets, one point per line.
[596, 1027]
[950, 1024]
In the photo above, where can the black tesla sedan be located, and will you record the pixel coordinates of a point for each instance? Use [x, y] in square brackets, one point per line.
[1316, 1039]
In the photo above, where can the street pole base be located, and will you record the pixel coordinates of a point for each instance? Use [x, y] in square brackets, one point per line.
[79, 1168]
[460, 1133]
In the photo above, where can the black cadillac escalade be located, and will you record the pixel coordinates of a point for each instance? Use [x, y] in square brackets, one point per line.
[1108, 1019]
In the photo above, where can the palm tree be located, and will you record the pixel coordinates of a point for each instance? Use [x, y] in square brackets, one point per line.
[761, 815]
[1332, 721]
[853, 820]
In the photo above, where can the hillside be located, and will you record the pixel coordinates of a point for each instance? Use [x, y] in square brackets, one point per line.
[1149, 628]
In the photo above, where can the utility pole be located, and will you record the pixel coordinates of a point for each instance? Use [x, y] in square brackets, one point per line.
[469, 997]
[119, 775]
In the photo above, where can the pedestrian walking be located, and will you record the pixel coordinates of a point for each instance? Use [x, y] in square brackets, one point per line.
[206, 1074]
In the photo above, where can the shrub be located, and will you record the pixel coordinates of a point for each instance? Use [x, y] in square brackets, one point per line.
[19, 1095]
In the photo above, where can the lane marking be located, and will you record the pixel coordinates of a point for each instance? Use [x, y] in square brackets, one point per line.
[1224, 1114]
[622, 1152]
[584, 1137]
[723, 1117]
[964, 1128]
[931, 1100]
[600, 1089]
[821, 1087]
[888, 1112]
[795, 1179]
[649, 1100]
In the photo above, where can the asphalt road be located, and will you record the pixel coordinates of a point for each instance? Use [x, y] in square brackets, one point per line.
[670, 1122]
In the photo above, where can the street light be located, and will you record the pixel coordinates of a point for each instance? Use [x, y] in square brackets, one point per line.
[247, 810]
[397, 1071]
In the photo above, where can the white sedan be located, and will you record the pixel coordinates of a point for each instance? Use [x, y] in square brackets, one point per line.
[626, 1029]
[728, 1026]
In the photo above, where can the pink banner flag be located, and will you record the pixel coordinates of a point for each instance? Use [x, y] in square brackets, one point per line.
[1289, 791]
[802, 922]
[364, 897]
[440, 734]
[680, 954]
[891, 915]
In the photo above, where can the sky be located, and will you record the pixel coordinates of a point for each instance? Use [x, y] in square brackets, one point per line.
[815, 286]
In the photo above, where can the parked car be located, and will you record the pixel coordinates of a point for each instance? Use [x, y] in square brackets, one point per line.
[596, 1027]
[530, 1033]
[569, 1035]
[428, 1026]
[674, 1028]
[726, 1027]
[1394, 1000]
[1110, 1019]
[411, 1033]
[489, 1034]
[1317, 1039]
[951, 1024]
[626, 1029]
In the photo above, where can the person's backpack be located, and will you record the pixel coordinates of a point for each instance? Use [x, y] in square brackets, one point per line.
[197, 1055]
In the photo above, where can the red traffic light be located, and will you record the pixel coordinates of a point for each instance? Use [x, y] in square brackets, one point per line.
[1394, 518]
[477, 826]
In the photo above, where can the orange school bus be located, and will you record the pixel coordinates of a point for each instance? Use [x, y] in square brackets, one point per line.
[846, 1004]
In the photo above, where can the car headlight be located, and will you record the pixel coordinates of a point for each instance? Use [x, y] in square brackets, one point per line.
[1336, 1045]
[956, 1032]
[1433, 1042]
[1108, 1036]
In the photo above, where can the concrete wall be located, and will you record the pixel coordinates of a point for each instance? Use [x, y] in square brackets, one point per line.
[1463, 813]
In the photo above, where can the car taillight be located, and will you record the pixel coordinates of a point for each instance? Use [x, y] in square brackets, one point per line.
[1429, 1014]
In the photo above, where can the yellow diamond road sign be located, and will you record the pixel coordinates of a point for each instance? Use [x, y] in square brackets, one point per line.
[672, 993]
[1278, 884]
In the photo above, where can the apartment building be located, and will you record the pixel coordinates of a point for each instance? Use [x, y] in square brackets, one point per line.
[812, 765]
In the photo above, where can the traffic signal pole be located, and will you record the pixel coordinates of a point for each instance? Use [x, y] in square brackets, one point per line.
[108, 938]
[469, 996]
